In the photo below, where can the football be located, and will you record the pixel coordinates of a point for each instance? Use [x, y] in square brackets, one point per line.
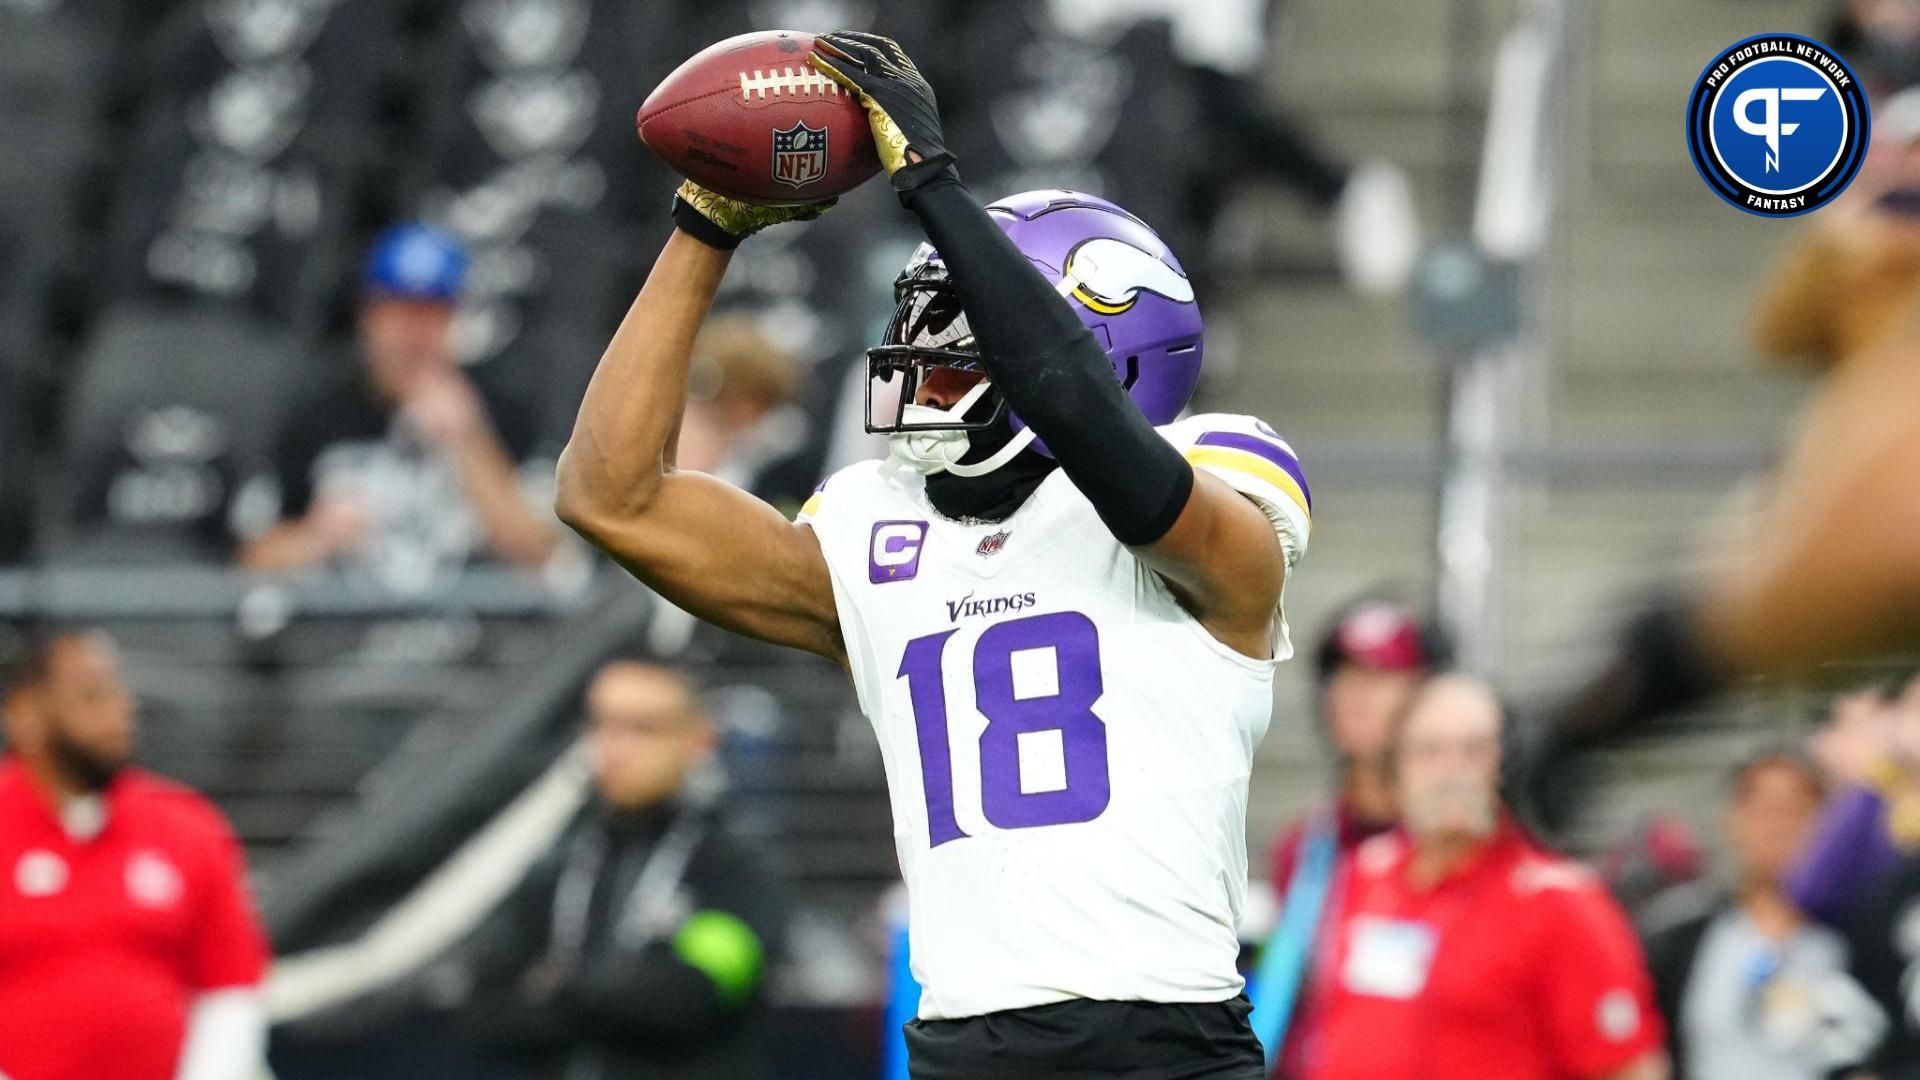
[750, 118]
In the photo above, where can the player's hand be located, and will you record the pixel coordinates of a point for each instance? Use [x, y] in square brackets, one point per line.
[722, 222]
[1854, 743]
[900, 105]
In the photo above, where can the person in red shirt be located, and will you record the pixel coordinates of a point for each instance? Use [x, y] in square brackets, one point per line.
[129, 946]
[1464, 950]
[1372, 658]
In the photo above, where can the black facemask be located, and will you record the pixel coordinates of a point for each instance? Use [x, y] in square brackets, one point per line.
[995, 496]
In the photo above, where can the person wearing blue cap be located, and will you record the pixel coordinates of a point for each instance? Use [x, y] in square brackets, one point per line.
[401, 461]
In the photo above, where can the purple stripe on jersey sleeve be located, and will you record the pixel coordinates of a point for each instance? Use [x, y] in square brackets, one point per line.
[1262, 448]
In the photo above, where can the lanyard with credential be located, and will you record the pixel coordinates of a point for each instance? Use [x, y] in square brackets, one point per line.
[1284, 957]
[645, 913]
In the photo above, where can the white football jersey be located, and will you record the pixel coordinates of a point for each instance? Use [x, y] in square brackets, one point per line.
[1066, 749]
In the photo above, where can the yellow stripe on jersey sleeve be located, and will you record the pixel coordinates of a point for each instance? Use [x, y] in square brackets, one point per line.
[811, 506]
[1251, 464]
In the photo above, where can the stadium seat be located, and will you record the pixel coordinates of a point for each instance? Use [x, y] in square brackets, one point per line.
[544, 85]
[233, 213]
[14, 297]
[251, 153]
[16, 472]
[352, 48]
[42, 243]
[62, 58]
[168, 418]
[1073, 113]
[36, 184]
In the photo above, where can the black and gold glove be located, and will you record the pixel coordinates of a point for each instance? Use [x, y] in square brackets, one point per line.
[722, 222]
[900, 105]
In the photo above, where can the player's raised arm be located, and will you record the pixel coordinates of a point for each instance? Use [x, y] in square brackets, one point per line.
[705, 545]
[1216, 547]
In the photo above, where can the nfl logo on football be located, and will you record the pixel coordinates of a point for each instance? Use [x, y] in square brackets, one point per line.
[799, 154]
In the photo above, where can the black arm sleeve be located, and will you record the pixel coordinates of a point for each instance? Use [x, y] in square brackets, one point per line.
[1052, 371]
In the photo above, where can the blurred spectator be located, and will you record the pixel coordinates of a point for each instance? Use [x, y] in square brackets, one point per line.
[129, 947]
[1842, 583]
[1369, 663]
[1465, 950]
[400, 461]
[641, 946]
[1081, 86]
[1867, 750]
[1227, 55]
[739, 417]
[1861, 873]
[1846, 283]
[1888, 43]
[1746, 986]
[1657, 865]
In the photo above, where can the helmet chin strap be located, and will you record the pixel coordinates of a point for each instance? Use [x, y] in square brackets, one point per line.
[1019, 442]
[930, 452]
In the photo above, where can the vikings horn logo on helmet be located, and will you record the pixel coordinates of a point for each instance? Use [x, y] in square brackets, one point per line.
[1108, 275]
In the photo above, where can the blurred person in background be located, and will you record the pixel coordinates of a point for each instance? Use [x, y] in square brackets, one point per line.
[1886, 41]
[1749, 987]
[1841, 579]
[640, 947]
[738, 418]
[1370, 204]
[129, 944]
[1464, 949]
[1369, 664]
[1655, 870]
[401, 461]
[1225, 52]
[1861, 871]
[1864, 750]
[1078, 88]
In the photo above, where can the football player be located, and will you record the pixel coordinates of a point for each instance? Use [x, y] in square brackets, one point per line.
[1061, 619]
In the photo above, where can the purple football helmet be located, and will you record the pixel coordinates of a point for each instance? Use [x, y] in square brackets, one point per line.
[1127, 286]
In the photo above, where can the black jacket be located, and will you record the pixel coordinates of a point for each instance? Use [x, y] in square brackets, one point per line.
[1885, 958]
[1671, 952]
[1673, 947]
[563, 989]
